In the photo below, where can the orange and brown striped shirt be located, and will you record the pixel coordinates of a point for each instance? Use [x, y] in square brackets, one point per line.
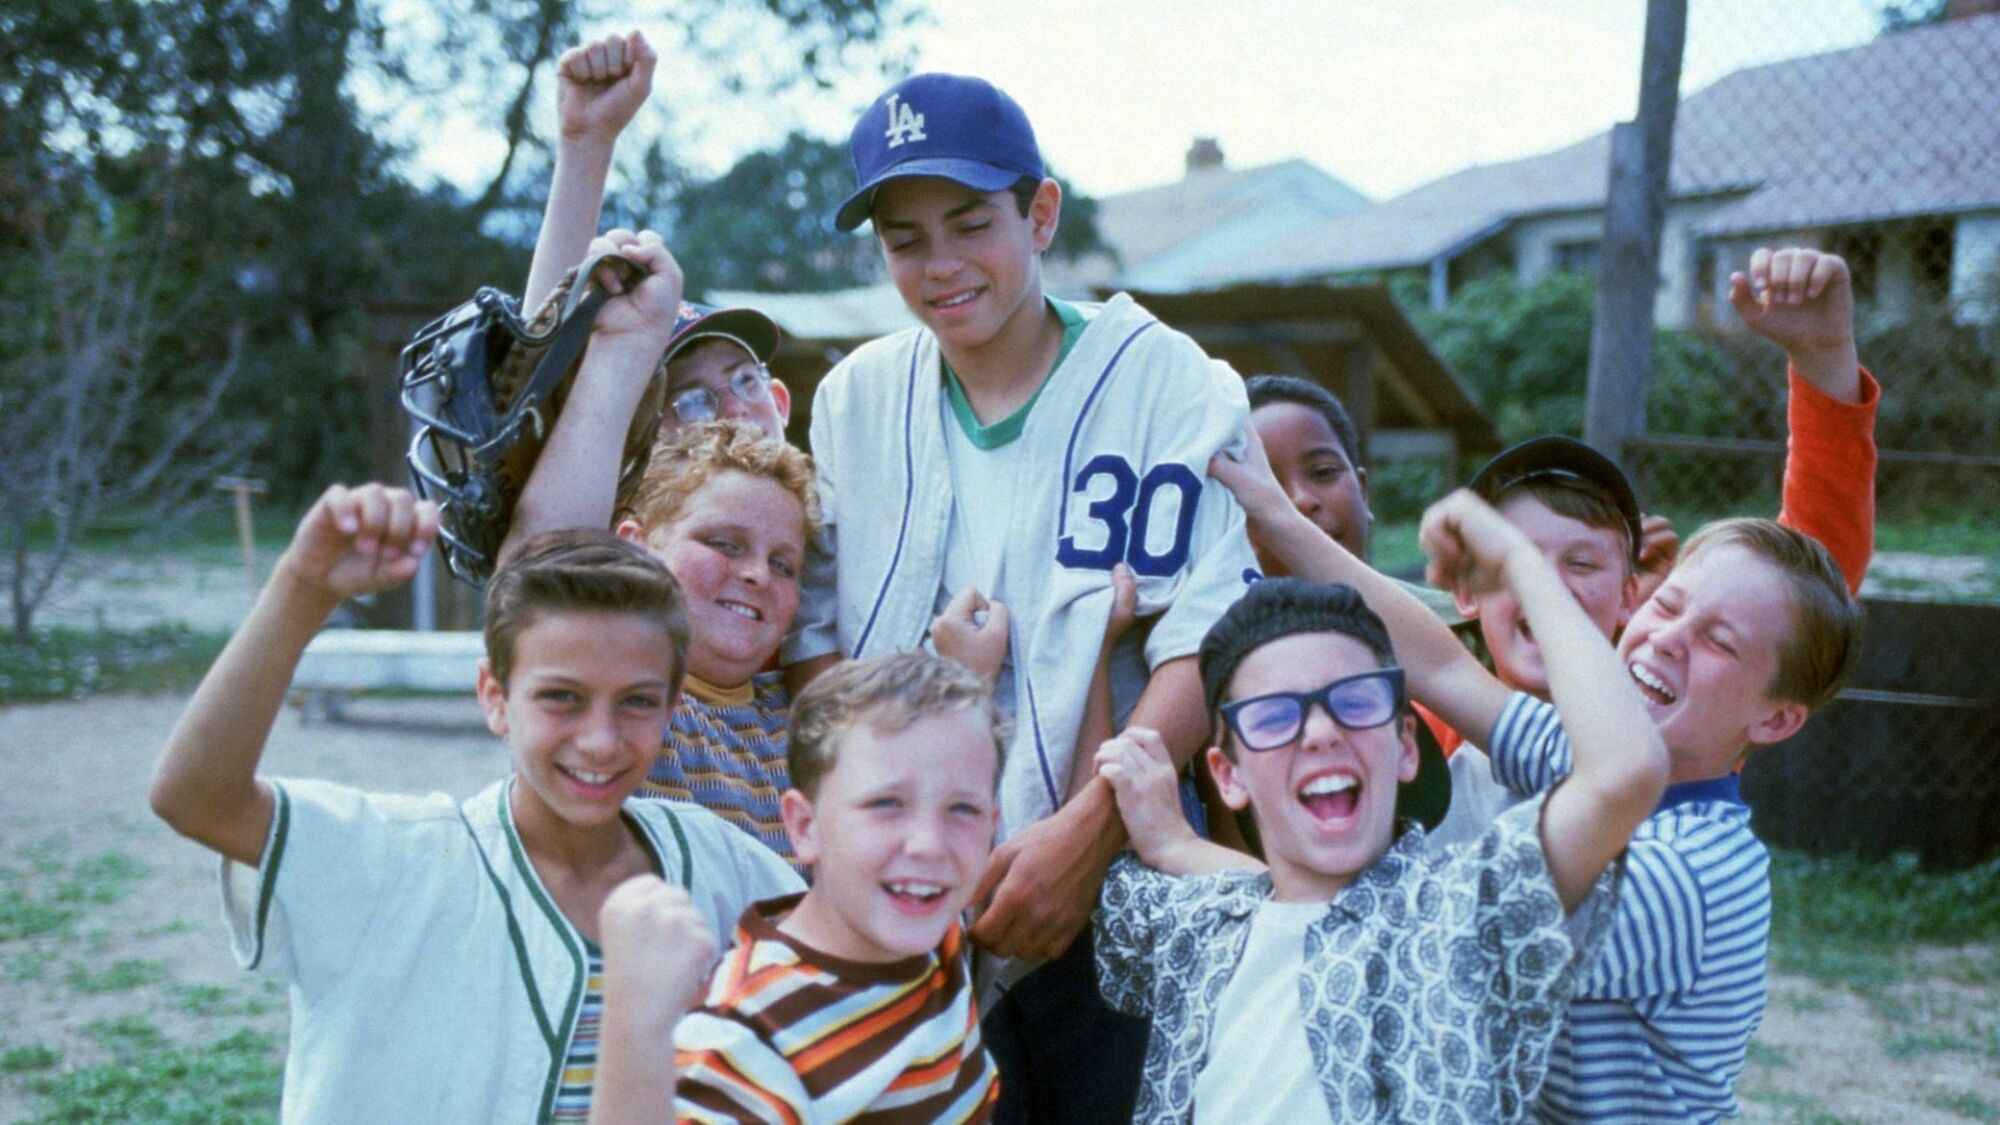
[788, 1034]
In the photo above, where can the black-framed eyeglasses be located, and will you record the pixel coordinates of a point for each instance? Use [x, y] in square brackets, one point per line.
[747, 383]
[1363, 702]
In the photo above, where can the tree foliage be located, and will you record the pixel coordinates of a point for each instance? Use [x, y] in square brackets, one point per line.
[766, 224]
[190, 187]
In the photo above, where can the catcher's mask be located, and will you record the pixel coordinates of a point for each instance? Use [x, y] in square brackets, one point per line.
[483, 388]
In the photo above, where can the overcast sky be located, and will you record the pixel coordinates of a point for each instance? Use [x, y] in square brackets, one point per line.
[1385, 94]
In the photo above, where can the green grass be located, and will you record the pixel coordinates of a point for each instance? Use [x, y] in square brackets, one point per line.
[32, 1057]
[235, 1078]
[1866, 905]
[122, 975]
[1765, 1055]
[66, 663]
[1804, 1108]
[1965, 1104]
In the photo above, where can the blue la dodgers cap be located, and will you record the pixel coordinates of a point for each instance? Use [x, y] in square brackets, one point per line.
[947, 125]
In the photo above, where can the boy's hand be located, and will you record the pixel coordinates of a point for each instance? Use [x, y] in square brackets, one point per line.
[1469, 544]
[1250, 479]
[973, 631]
[1659, 547]
[360, 540]
[640, 313]
[1803, 301]
[601, 84]
[658, 952]
[1124, 604]
[1142, 777]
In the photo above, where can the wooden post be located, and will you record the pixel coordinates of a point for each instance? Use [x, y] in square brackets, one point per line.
[244, 488]
[1629, 271]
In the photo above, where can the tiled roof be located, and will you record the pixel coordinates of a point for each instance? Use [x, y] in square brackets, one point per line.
[1194, 225]
[1908, 124]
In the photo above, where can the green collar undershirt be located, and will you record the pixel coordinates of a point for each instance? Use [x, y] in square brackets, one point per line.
[1009, 428]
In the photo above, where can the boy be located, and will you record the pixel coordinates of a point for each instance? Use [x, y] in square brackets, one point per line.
[1364, 975]
[727, 511]
[853, 999]
[394, 916]
[724, 506]
[1753, 629]
[1022, 447]
[1316, 456]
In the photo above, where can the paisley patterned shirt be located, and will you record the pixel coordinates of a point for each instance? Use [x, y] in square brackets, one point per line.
[1432, 989]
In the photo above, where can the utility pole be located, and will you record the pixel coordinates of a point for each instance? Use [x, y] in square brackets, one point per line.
[1635, 208]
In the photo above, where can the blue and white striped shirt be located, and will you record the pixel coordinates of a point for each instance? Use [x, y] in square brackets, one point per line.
[1663, 1018]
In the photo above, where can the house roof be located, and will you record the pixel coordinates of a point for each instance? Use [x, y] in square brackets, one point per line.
[1906, 125]
[1191, 227]
[846, 314]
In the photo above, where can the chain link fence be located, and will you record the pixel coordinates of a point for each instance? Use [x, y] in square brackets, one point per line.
[1885, 149]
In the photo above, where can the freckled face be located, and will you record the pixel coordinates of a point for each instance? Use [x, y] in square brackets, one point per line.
[735, 548]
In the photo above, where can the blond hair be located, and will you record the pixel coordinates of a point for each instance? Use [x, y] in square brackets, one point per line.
[1819, 651]
[680, 466]
[886, 694]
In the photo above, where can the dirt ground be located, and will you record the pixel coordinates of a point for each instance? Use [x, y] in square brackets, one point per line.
[1823, 1054]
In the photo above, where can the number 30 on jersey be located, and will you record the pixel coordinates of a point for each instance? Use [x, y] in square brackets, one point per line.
[1146, 522]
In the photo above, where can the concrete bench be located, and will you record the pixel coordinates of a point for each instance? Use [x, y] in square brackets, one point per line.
[341, 663]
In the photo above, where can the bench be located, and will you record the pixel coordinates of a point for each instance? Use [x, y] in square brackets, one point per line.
[341, 663]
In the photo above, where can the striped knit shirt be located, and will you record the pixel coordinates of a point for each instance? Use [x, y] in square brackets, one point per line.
[579, 1073]
[725, 751]
[790, 1034]
[1663, 1018]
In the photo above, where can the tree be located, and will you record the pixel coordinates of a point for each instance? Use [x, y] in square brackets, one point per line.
[89, 319]
[200, 198]
[767, 223]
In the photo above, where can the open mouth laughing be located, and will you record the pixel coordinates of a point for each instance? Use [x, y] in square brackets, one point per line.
[1331, 797]
[912, 896]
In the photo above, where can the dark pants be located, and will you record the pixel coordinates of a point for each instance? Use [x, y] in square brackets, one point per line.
[1063, 1055]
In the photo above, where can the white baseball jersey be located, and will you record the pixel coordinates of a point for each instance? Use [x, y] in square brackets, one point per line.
[1114, 469]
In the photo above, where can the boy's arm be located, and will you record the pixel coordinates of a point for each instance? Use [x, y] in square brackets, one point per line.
[352, 541]
[1803, 301]
[1099, 719]
[657, 953]
[1619, 765]
[575, 480]
[1440, 672]
[1043, 882]
[1142, 775]
[599, 86]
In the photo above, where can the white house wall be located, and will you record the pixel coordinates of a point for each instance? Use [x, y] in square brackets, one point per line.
[1975, 267]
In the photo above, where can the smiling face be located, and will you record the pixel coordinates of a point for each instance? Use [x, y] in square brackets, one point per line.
[898, 835]
[1591, 563]
[1704, 651]
[967, 263]
[735, 547]
[1314, 470]
[1325, 804]
[583, 711]
[715, 364]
